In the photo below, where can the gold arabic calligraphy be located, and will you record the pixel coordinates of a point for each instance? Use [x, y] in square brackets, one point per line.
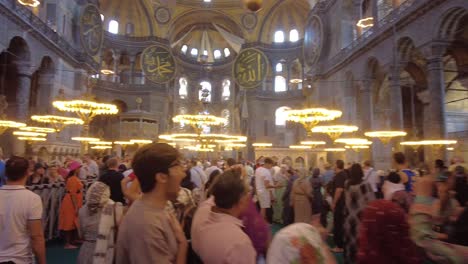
[158, 64]
[250, 68]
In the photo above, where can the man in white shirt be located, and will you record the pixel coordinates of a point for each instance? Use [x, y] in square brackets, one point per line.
[263, 185]
[93, 169]
[21, 232]
[371, 176]
[197, 175]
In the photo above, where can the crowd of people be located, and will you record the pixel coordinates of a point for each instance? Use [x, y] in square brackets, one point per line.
[157, 207]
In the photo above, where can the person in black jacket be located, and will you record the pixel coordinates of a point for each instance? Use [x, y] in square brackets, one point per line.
[112, 177]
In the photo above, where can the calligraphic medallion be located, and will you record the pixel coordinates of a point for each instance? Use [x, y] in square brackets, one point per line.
[313, 40]
[158, 64]
[91, 31]
[250, 68]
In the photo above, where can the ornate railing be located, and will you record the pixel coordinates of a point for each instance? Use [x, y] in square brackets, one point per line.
[40, 28]
[405, 8]
[51, 196]
[102, 84]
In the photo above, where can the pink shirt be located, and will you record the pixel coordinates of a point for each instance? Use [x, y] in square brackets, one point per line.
[218, 238]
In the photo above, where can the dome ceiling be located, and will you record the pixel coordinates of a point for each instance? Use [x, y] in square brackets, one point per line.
[170, 18]
[135, 17]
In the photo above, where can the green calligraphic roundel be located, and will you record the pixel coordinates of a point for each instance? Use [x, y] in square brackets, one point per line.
[158, 64]
[250, 68]
[91, 31]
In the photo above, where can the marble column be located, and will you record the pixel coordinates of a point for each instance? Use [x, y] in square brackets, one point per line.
[46, 88]
[396, 100]
[368, 105]
[22, 102]
[434, 112]
[435, 118]
[132, 68]
[116, 57]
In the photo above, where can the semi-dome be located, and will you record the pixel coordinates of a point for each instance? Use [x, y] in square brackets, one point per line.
[132, 17]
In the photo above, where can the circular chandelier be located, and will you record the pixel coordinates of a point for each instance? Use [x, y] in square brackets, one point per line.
[262, 145]
[86, 109]
[6, 124]
[300, 147]
[29, 134]
[335, 149]
[354, 141]
[313, 144]
[203, 138]
[57, 122]
[141, 141]
[85, 139]
[385, 136]
[434, 143]
[310, 117]
[38, 129]
[122, 143]
[31, 3]
[334, 131]
[199, 120]
[32, 138]
[199, 148]
[357, 146]
[100, 143]
[101, 147]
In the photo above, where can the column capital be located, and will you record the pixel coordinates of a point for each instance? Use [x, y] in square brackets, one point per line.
[434, 50]
[23, 69]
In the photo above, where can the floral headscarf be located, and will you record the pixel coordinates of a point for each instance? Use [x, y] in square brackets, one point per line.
[298, 243]
[97, 196]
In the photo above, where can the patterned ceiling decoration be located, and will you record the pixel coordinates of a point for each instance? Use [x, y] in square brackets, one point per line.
[288, 15]
[140, 13]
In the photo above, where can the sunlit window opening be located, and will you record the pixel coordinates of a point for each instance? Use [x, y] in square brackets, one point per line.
[280, 84]
[184, 49]
[226, 89]
[217, 54]
[227, 52]
[280, 116]
[113, 27]
[279, 36]
[293, 35]
[183, 92]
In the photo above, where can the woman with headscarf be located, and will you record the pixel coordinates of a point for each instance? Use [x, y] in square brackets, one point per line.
[99, 220]
[384, 236]
[300, 199]
[299, 243]
[71, 203]
[281, 181]
[358, 194]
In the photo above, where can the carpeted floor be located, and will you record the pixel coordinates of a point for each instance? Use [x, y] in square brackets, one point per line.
[56, 254]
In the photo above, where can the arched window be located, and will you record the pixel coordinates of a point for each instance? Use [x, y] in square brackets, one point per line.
[204, 94]
[184, 49]
[226, 89]
[280, 116]
[194, 52]
[217, 54]
[280, 84]
[102, 17]
[183, 92]
[293, 35]
[279, 36]
[279, 67]
[113, 27]
[227, 52]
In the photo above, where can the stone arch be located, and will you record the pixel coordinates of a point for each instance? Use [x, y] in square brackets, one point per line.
[19, 48]
[121, 105]
[287, 160]
[405, 48]
[449, 23]
[42, 86]
[295, 74]
[299, 162]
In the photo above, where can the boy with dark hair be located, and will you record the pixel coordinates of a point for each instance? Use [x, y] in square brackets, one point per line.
[21, 217]
[148, 234]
